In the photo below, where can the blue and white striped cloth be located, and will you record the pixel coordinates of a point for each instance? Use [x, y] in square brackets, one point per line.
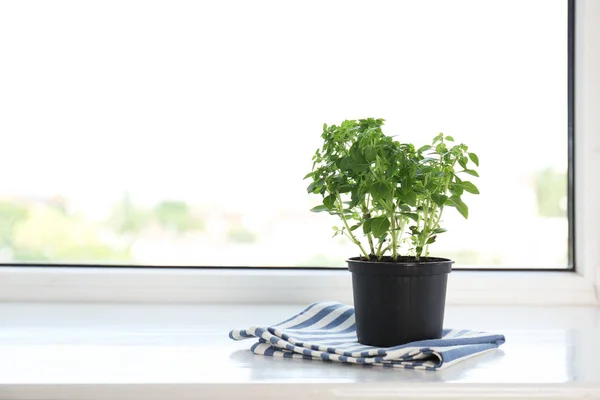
[327, 331]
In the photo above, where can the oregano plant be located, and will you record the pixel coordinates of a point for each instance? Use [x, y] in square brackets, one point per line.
[389, 195]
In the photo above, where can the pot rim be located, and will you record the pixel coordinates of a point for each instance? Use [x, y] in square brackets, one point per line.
[430, 260]
[434, 266]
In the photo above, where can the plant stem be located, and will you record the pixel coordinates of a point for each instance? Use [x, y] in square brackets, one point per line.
[367, 216]
[394, 237]
[371, 246]
[350, 234]
[435, 225]
[379, 252]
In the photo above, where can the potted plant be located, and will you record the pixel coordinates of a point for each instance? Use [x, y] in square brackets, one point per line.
[389, 197]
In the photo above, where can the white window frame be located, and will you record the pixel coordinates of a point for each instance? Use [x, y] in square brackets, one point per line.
[303, 286]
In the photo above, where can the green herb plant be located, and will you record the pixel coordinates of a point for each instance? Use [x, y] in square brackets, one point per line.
[391, 192]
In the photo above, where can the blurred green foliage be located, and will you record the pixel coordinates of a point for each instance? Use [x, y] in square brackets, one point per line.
[11, 214]
[41, 231]
[176, 216]
[128, 219]
[49, 234]
[241, 235]
[551, 193]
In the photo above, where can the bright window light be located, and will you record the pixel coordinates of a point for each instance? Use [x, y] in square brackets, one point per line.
[177, 133]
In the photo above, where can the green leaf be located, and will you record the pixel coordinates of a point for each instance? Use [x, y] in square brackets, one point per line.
[310, 174]
[457, 203]
[427, 159]
[431, 239]
[439, 199]
[450, 138]
[456, 189]
[471, 172]
[424, 148]
[474, 158]
[463, 209]
[319, 208]
[439, 230]
[370, 153]
[312, 188]
[355, 227]
[438, 138]
[413, 216]
[329, 201]
[345, 188]
[469, 187]
[419, 188]
[357, 155]
[410, 197]
[356, 167]
[404, 207]
[379, 226]
[462, 161]
[379, 190]
[367, 226]
[344, 164]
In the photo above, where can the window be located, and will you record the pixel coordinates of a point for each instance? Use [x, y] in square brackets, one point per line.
[178, 133]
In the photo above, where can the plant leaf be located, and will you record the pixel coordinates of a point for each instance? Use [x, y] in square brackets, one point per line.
[370, 153]
[450, 138]
[471, 172]
[463, 209]
[312, 188]
[413, 216]
[431, 239]
[379, 190]
[404, 207]
[439, 230]
[469, 187]
[456, 189]
[439, 199]
[379, 226]
[329, 201]
[462, 161]
[367, 226]
[457, 203]
[319, 208]
[474, 158]
[410, 197]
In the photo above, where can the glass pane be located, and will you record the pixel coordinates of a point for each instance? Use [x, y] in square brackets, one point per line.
[178, 133]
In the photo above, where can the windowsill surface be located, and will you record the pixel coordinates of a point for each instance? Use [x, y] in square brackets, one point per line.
[81, 351]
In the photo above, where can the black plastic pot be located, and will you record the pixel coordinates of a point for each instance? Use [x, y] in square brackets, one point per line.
[398, 302]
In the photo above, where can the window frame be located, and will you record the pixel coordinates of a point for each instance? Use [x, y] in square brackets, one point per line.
[581, 285]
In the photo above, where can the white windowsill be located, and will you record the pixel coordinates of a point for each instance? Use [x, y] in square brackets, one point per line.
[274, 286]
[177, 351]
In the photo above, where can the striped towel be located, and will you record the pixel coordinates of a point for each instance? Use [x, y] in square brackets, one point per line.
[327, 331]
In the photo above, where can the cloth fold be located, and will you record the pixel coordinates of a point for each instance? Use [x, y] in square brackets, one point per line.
[327, 331]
